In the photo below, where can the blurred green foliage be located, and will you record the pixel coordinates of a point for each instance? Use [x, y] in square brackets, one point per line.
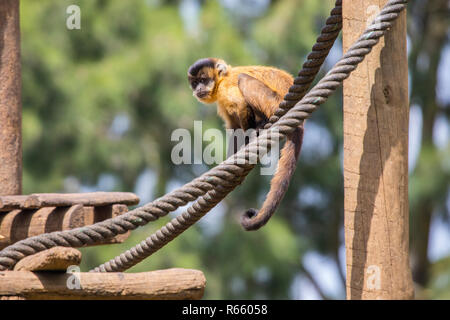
[105, 99]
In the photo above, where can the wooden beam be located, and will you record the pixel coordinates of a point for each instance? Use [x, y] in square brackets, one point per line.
[94, 199]
[376, 112]
[10, 99]
[17, 225]
[167, 284]
[8, 203]
[54, 259]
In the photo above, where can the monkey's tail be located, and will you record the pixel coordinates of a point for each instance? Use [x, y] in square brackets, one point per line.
[253, 220]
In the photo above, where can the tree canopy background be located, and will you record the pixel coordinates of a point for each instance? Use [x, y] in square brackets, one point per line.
[100, 104]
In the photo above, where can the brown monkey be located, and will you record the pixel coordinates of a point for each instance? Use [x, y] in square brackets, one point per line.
[246, 98]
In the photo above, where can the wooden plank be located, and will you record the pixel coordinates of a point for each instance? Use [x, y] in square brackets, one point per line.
[10, 99]
[94, 199]
[40, 200]
[376, 112]
[153, 285]
[8, 203]
[74, 217]
[17, 225]
[6, 229]
[54, 259]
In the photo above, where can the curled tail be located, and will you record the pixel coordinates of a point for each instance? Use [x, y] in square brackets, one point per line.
[253, 220]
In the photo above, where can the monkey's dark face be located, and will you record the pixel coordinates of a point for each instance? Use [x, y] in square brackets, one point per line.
[203, 85]
[203, 77]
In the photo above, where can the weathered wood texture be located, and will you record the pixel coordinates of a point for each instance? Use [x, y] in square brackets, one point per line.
[162, 284]
[8, 203]
[103, 213]
[10, 99]
[21, 224]
[376, 113]
[12, 298]
[40, 200]
[54, 259]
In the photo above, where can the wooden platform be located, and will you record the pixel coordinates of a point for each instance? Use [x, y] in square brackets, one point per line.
[30, 215]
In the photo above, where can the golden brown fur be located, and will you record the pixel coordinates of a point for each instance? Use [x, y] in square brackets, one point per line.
[246, 98]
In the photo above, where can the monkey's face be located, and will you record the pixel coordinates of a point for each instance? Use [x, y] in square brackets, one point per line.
[203, 86]
[204, 76]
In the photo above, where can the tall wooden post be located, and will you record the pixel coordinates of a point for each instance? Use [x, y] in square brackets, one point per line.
[10, 99]
[376, 114]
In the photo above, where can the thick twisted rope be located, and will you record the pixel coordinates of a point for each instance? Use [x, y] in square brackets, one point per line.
[226, 171]
[313, 63]
[176, 226]
[170, 231]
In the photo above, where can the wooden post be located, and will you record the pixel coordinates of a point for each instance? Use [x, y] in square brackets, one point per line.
[376, 114]
[10, 99]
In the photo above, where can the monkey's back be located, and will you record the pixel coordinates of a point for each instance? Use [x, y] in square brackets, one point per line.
[230, 99]
[276, 79]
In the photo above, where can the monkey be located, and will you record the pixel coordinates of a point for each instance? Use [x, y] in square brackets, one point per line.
[246, 98]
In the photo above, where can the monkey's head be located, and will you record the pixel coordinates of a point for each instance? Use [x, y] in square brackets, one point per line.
[204, 76]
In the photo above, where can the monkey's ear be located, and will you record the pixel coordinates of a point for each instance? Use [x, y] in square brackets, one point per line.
[222, 69]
